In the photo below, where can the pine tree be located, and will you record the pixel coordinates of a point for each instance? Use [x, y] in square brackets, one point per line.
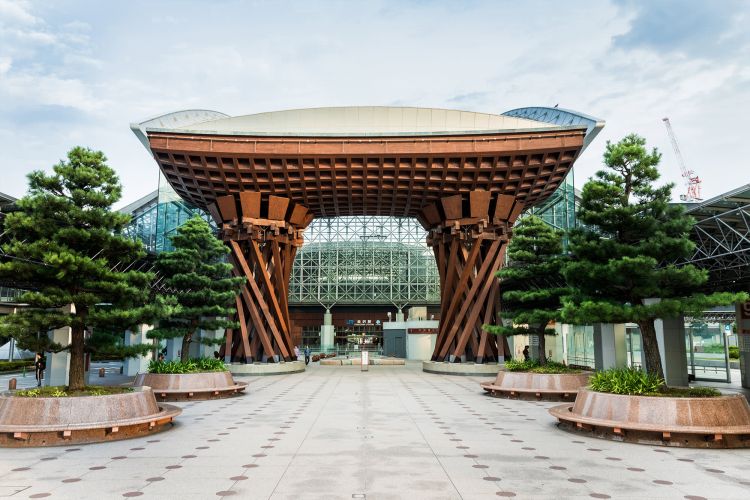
[531, 283]
[624, 252]
[197, 275]
[77, 270]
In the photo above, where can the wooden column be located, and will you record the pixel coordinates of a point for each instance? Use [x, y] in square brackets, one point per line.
[263, 236]
[469, 234]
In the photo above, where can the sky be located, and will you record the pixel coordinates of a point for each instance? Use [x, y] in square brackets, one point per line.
[78, 73]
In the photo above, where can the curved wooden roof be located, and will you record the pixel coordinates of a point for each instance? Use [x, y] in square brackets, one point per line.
[378, 169]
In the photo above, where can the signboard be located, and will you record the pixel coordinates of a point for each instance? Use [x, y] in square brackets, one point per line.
[744, 311]
[365, 361]
[422, 330]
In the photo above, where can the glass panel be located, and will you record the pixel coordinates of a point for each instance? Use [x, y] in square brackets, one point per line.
[635, 348]
[581, 345]
[708, 358]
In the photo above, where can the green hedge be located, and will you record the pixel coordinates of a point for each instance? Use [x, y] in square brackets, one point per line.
[10, 366]
[533, 366]
[734, 352]
[61, 391]
[634, 382]
[190, 366]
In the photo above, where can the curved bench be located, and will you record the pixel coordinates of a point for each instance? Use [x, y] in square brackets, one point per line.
[525, 385]
[715, 422]
[190, 386]
[48, 421]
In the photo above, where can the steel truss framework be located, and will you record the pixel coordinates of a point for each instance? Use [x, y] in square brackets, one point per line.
[365, 260]
[722, 237]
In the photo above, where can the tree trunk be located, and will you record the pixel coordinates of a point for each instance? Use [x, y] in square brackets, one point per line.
[185, 354]
[77, 374]
[650, 347]
[542, 349]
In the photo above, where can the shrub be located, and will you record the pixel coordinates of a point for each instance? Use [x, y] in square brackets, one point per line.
[9, 366]
[634, 382]
[688, 392]
[533, 366]
[626, 381]
[63, 392]
[190, 366]
[734, 352]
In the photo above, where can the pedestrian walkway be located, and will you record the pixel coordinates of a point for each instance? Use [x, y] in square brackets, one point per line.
[112, 376]
[388, 433]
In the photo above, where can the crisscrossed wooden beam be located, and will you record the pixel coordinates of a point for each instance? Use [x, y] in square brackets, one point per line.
[469, 235]
[263, 238]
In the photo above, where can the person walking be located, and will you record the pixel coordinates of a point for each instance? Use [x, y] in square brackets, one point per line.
[526, 353]
[307, 354]
[40, 364]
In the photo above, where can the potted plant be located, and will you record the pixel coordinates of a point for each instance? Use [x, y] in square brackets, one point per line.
[178, 380]
[81, 277]
[622, 270]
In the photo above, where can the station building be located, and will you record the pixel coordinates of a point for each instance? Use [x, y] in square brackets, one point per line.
[361, 269]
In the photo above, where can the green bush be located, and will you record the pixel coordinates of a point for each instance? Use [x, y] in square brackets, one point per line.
[639, 383]
[626, 381]
[61, 391]
[190, 366]
[734, 352]
[688, 392]
[9, 366]
[713, 348]
[533, 366]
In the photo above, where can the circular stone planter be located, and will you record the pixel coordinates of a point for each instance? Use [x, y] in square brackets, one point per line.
[358, 361]
[263, 369]
[466, 369]
[525, 385]
[85, 419]
[190, 386]
[717, 422]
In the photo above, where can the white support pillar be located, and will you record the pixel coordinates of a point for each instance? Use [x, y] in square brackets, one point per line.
[58, 364]
[207, 351]
[670, 335]
[174, 348]
[743, 341]
[134, 366]
[326, 331]
[610, 347]
[400, 316]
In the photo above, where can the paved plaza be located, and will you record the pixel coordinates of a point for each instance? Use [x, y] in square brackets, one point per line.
[391, 432]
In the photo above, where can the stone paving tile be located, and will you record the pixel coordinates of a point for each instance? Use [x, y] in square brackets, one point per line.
[392, 432]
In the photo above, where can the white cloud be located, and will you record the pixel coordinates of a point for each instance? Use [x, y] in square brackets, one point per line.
[16, 11]
[112, 65]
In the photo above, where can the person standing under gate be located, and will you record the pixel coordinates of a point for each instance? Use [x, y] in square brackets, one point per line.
[40, 364]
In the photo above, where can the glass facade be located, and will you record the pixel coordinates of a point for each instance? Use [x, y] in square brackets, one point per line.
[559, 210]
[365, 260]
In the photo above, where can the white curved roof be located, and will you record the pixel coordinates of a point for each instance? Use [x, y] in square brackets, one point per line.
[346, 121]
[369, 120]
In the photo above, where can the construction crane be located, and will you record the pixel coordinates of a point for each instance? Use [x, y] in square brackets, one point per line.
[692, 181]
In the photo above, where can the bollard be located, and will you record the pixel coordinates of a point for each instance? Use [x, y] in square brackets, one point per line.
[101, 372]
[12, 384]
